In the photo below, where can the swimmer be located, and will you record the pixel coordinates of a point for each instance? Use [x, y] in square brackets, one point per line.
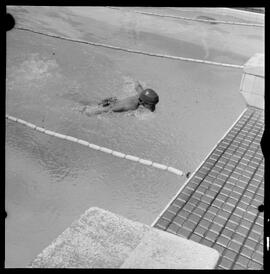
[145, 97]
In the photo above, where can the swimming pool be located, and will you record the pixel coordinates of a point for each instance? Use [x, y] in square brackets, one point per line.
[50, 182]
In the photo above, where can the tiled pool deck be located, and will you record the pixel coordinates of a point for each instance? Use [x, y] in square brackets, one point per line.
[218, 206]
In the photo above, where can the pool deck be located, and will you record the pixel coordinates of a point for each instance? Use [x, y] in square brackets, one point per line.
[218, 206]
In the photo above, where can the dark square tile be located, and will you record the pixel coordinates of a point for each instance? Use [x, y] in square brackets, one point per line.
[252, 208]
[225, 192]
[226, 263]
[242, 230]
[241, 184]
[260, 248]
[216, 228]
[235, 195]
[250, 243]
[202, 206]
[257, 228]
[257, 258]
[238, 267]
[162, 223]
[254, 236]
[189, 225]
[237, 190]
[204, 169]
[179, 220]
[211, 193]
[223, 241]
[205, 223]
[261, 192]
[224, 214]
[219, 248]
[235, 246]
[260, 221]
[192, 184]
[173, 228]
[229, 254]
[193, 201]
[195, 238]
[188, 207]
[239, 212]
[258, 199]
[222, 177]
[213, 210]
[179, 202]
[200, 231]
[210, 235]
[206, 242]
[200, 175]
[248, 194]
[183, 197]
[219, 182]
[219, 220]
[242, 260]
[206, 199]
[238, 238]
[194, 218]
[229, 186]
[228, 208]
[242, 205]
[184, 232]
[209, 216]
[173, 209]
[246, 200]
[212, 160]
[245, 223]
[183, 213]
[221, 197]
[231, 202]
[168, 215]
[212, 175]
[231, 225]
[227, 233]
[217, 203]
[200, 190]
[247, 252]
[199, 212]
[196, 180]
[235, 218]
[252, 188]
[254, 265]
[187, 191]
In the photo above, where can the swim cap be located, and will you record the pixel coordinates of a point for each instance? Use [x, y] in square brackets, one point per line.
[149, 96]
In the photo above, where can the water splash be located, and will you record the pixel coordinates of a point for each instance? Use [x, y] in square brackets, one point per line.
[129, 85]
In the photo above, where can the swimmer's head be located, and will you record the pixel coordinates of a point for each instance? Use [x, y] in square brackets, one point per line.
[149, 98]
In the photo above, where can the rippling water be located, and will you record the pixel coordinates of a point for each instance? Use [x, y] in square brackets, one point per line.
[50, 182]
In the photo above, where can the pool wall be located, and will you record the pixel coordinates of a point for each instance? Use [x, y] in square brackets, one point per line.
[240, 14]
[252, 83]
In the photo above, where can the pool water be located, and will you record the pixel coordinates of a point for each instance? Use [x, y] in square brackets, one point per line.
[51, 182]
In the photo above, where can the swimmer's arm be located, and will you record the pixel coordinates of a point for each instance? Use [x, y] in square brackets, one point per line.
[118, 109]
[106, 109]
[98, 111]
[138, 87]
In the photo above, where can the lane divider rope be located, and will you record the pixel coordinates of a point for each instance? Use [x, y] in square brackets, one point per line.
[192, 19]
[99, 148]
[132, 50]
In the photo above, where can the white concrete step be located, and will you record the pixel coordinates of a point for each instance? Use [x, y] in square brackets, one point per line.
[101, 239]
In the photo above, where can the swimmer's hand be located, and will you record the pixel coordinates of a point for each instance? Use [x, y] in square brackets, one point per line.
[138, 87]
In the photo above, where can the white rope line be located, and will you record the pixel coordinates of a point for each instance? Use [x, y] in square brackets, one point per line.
[134, 51]
[193, 19]
[99, 148]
